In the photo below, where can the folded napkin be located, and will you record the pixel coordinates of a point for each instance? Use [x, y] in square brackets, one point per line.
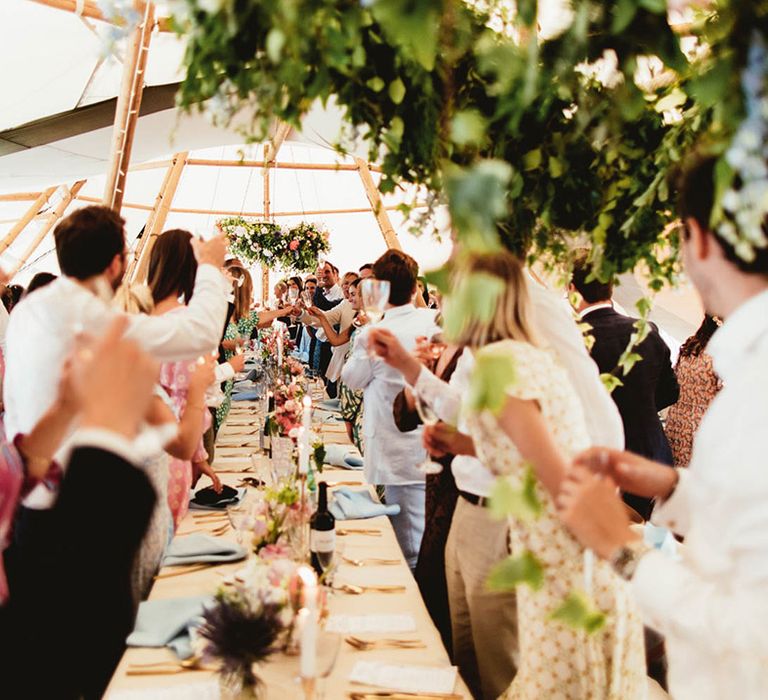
[218, 505]
[166, 623]
[200, 549]
[343, 456]
[250, 395]
[357, 505]
[327, 416]
[330, 405]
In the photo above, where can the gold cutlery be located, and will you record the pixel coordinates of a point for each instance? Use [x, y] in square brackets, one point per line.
[333, 484]
[359, 590]
[373, 561]
[367, 644]
[358, 531]
[220, 530]
[167, 667]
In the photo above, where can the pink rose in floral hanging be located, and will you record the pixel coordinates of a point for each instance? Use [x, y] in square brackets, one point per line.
[294, 244]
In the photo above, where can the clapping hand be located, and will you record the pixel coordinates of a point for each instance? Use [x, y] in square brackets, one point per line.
[211, 252]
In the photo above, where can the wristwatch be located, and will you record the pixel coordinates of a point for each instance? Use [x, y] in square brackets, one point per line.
[625, 559]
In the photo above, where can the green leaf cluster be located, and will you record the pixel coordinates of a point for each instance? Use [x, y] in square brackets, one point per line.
[494, 373]
[523, 570]
[521, 503]
[579, 612]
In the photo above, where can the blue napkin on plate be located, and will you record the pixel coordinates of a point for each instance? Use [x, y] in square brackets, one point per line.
[166, 623]
[220, 505]
[201, 549]
[343, 456]
[357, 505]
[252, 395]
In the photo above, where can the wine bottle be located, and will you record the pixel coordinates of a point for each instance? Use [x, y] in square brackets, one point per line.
[322, 533]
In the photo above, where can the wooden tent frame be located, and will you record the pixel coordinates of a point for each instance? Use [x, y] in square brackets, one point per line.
[126, 118]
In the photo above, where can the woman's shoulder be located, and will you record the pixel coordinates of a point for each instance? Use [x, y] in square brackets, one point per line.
[522, 351]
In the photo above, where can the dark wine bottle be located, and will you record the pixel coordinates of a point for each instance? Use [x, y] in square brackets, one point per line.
[322, 533]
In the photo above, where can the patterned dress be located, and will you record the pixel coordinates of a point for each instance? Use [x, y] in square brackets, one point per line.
[242, 329]
[698, 386]
[558, 662]
[352, 403]
[174, 378]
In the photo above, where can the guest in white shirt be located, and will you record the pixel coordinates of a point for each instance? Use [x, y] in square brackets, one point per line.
[327, 296]
[392, 457]
[484, 623]
[711, 604]
[90, 245]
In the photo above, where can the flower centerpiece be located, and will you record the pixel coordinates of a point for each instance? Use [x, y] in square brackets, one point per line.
[306, 242]
[253, 241]
[296, 250]
[250, 620]
[269, 343]
[277, 517]
[285, 420]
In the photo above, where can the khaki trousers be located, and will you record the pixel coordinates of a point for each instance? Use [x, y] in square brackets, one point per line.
[484, 624]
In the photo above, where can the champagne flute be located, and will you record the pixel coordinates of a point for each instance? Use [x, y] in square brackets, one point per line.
[293, 294]
[429, 418]
[375, 295]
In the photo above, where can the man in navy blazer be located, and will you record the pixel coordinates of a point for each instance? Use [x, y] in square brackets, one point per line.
[646, 389]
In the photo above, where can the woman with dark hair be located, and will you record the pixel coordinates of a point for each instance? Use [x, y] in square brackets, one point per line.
[242, 325]
[39, 280]
[11, 296]
[698, 386]
[172, 272]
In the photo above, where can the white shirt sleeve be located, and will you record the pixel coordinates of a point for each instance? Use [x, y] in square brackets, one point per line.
[191, 331]
[224, 371]
[358, 369]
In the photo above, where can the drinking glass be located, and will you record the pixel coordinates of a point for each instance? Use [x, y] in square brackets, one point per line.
[293, 294]
[428, 417]
[307, 298]
[375, 294]
[328, 646]
[437, 346]
[242, 520]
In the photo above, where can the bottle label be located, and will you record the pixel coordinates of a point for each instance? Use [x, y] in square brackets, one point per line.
[322, 540]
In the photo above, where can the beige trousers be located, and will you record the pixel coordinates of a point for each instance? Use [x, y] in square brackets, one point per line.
[484, 624]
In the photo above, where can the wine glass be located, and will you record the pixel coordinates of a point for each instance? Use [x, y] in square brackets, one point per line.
[328, 646]
[293, 294]
[242, 520]
[307, 298]
[437, 346]
[428, 417]
[375, 294]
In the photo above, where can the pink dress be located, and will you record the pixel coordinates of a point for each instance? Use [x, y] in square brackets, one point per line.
[174, 378]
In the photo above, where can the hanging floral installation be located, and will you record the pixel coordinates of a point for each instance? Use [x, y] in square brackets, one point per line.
[296, 249]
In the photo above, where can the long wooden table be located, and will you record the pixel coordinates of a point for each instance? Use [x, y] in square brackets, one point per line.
[280, 672]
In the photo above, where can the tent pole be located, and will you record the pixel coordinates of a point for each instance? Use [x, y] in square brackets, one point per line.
[91, 9]
[379, 211]
[271, 150]
[127, 110]
[45, 229]
[157, 218]
[272, 164]
[23, 222]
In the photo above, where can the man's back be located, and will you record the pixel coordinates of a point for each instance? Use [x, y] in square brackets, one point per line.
[649, 387]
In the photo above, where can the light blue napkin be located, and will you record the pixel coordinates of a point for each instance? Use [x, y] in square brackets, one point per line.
[201, 549]
[357, 505]
[246, 396]
[343, 456]
[327, 416]
[166, 623]
[221, 505]
[330, 405]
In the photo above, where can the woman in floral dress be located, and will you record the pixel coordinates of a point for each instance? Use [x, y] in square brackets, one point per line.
[538, 428]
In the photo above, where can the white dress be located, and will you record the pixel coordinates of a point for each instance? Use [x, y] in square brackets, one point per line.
[558, 662]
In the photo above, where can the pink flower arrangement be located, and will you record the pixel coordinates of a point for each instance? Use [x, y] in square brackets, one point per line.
[294, 244]
[287, 414]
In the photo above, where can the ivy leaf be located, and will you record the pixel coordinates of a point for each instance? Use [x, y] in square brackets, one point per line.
[376, 84]
[413, 25]
[579, 612]
[623, 13]
[556, 168]
[516, 571]
[468, 128]
[495, 371]
[441, 278]
[397, 91]
[275, 42]
[643, 306]
[477, 199]
[532, 159]
[610, 381]
[628, 360]
[521, 503]
[656, 6]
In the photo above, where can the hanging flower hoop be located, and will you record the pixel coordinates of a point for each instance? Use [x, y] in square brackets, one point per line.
[253, 241]
[305, 243]
[294, 250]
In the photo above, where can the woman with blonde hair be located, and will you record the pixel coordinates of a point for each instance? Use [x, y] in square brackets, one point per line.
[540, 426]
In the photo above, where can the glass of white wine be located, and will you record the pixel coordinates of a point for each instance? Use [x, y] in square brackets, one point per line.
[428, 417]
[375, 295]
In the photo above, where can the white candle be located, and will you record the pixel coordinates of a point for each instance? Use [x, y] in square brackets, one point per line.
[306, 427]
[308, 623]
[279, 328]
